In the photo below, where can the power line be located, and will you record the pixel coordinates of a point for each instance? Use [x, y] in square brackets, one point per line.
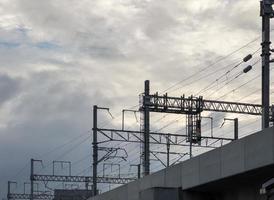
[65, 144]
[68, 151]
[224, 75]
[211, 65]
[253, 79]
[236, 77]
[228, 82]
[204, 76]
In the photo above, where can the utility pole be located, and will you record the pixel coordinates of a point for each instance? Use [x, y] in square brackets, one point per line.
[31, 178]
[95, 151]
[9, 189]
[236, 129]
[146, 100]
[8, 195]
[190, 145]
[168, 150]
[86, 183]
[139, 171]
[266, 13]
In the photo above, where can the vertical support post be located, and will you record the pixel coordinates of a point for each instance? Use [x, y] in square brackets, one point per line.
[189, 130]
[95, 151]
[190, 145]
[123, 119]
[236, 129]
[25, 188]
[53, 162]
[211, 128]
[236, 126]
[266, 11]
[167, 151]
[69, 168]
[86, 183]
[8, 194]
[31, 178]
[139, 170]
[146, 129]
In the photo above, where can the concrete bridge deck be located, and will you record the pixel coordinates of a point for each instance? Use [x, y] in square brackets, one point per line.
[235, 171]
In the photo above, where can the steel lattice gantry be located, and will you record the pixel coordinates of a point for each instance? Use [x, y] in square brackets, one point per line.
[81, 179]
[194, 105]
[191, 106]
[28, 196]
[115, 135]
[34, 177]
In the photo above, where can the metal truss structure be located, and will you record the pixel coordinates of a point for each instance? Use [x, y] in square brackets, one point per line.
[37, 195]
[190, 106]
[114, 135]
[12, 196]
[81, 179]
[45, 178]
[195, 105]
[167, 164]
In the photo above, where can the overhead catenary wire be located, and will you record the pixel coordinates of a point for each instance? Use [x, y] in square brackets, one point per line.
[77, 145]
[163, 127]
[244, 83]
[234, 64]
[137, 105]
[234, 78]
[211, 65]
[196, 73]
[209, 86]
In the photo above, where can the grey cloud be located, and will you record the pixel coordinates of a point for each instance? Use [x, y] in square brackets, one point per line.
[49, 95]
[106, 49]
[8, 87]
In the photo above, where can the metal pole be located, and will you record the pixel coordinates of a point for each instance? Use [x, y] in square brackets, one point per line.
[95, 150]
[190, 146]
[190, 133]
[8, 195]
[86, 183]
[123, 119]
[211, 123]
[53, 167]
[168, 150]
[25, 188]
[69, 168]
[146, 129]
[236, 128]
[139, 171]
[31, 178]
[265, 13]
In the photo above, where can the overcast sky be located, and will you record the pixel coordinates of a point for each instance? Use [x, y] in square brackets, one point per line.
[60, 57]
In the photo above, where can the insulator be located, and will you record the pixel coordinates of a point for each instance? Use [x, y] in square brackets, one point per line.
[247, 69]
[247, 58]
